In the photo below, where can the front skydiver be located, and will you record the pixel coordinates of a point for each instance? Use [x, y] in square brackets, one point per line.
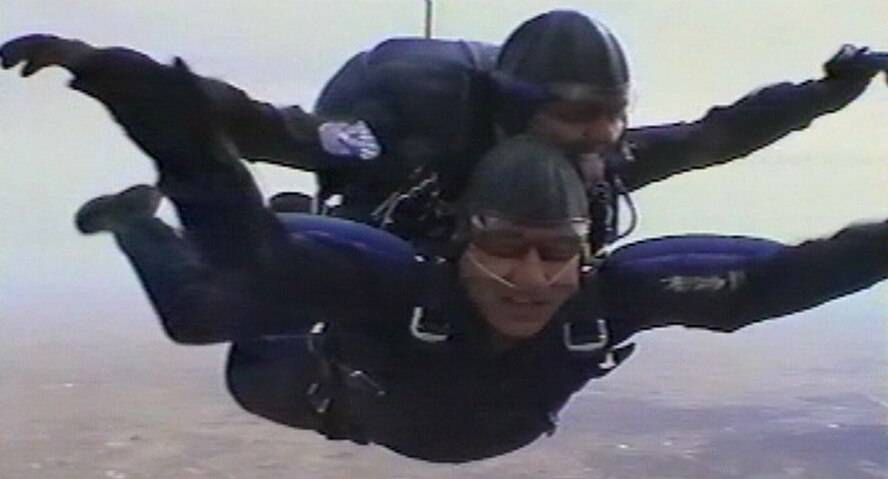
[436, 106]
[338, 327]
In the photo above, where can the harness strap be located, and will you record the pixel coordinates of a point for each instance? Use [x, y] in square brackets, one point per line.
[329, 395]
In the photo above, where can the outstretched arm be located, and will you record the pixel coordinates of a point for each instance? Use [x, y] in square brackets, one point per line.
[724, 283]
[726, 133]
[121, 79]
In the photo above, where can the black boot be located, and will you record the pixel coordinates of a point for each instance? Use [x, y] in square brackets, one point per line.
[106, 213]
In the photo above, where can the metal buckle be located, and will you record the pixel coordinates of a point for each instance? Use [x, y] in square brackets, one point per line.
[590, 346]
[360, 381]
[608, 362]
[418, 331]
[319, 401]
[315, 337]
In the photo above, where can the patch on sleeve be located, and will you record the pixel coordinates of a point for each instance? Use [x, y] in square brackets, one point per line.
[730, 281]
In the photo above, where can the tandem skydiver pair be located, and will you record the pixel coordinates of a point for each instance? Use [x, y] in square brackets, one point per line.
[344, 329]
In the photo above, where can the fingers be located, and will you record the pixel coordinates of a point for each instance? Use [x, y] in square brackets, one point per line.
[24, 49]
[8, 55]
[873, 62]
[12, 52]
[39, 51]
[879, 61]
[853, 63]
[34, 65]
[876, 60]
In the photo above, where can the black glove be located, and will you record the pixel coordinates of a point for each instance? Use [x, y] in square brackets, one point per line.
[40, 51]
[855, 64]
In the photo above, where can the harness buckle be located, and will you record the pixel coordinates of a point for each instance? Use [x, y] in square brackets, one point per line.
[577, 343]
[317, 398]
[360, 381]
[316, 338]
[423, 331]
[608, 362]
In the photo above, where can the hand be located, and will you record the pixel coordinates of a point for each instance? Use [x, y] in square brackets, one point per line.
[856, 63]
[40, 51]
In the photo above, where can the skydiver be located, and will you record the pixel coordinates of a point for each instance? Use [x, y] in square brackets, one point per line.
[341, 328]
[409, 118]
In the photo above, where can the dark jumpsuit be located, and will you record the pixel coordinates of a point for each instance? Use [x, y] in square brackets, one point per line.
[375, 374]
[431, 102]
[240, 275]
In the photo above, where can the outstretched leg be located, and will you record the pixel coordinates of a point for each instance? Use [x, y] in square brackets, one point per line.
[196, 302]
[211, 284]
[240, 275]
[220, 208]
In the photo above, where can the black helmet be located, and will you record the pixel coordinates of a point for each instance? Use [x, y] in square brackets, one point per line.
[557, 55]
[565, 47]
[526, 180]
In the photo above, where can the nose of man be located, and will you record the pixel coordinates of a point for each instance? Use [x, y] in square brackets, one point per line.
[529, 272]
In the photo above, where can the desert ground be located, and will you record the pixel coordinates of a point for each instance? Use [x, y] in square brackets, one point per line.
[801, 399]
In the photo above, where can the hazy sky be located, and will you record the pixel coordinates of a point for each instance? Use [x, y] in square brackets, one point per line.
[60, 148]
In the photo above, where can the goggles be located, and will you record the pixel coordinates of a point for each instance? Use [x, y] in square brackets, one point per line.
[585, 111]
[506, 239]
[530, 92]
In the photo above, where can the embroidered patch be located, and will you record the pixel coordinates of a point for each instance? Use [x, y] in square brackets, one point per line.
[688, 284]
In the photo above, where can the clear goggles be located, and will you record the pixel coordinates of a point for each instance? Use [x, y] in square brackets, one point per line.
[503, 238]
[525, 91]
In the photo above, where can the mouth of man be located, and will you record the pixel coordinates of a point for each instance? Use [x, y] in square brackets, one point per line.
[525, 303]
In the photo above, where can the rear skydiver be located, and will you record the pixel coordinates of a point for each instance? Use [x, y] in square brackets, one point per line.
[436, 106]
[341, 328]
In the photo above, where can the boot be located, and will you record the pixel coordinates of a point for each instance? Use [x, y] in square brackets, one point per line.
[109, 212]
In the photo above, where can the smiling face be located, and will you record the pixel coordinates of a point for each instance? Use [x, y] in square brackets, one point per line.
[519, 276]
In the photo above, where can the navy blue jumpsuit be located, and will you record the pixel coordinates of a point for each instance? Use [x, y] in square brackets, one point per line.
[243, 275]
[455, 400]
[375, 372]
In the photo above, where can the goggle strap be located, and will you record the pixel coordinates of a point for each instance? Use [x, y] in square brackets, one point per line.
[499, 279]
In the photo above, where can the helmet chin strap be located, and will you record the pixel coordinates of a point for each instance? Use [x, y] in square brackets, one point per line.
[505, 282]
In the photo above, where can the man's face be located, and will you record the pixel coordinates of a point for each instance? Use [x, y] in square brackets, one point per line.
[519, 276]
[581, 127]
